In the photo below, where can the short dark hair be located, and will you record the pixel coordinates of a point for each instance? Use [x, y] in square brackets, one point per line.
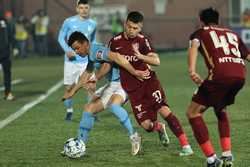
[209, 16]
[135, 17]
[82, 2]
[77, 36]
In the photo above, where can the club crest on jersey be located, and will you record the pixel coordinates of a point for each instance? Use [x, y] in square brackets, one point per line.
[135, 46]
[99, 54]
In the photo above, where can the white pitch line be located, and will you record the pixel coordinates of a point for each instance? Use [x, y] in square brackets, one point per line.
[29, 105]
[14, 82]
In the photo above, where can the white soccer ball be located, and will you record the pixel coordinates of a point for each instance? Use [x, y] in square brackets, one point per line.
[74, 148]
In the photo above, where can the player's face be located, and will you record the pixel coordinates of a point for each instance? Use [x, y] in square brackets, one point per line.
[83, 10]
[132, 29]
[81, 48]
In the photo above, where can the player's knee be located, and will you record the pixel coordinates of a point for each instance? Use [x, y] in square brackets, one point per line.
[146, 125]
[89, 107]
[194, 111]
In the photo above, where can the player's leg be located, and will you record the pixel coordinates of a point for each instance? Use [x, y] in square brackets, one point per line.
[200, 131]
[115, 103]
[87, 120]
[72, 71]
[69, 79]
[6, 65]
[176, 128]
[225, 139]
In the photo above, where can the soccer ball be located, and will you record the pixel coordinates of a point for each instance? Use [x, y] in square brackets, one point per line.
[74, 148]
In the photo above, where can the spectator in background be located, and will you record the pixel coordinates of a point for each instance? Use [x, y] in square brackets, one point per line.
[246, 17]
[116, 23]
[5, 56]
[41, 22]
[21, 37]
[11, 26]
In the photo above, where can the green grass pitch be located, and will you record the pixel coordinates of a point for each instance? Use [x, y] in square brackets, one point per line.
[36, 138]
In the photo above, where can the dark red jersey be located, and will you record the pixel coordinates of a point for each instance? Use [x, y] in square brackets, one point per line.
[124, 46]
[223, 51]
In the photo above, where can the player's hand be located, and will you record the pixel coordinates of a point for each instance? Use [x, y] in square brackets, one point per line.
[137, 53]
[90, 86]
[142, 75]
[71, 55]
[196, 78]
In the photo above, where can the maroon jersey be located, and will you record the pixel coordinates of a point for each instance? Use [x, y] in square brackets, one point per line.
[223, 52]
[124, 46]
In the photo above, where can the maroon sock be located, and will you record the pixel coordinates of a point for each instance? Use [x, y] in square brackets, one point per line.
[157, 127]
[224, 131]
[201, 134]
[223, 124]
[199, 129]
[174, 125]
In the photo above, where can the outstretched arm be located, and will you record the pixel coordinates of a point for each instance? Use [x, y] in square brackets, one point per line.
[192, 59]
[105, 68]
[84, 78]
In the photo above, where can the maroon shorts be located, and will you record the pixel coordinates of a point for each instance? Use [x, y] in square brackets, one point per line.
[218, 94]
[147, 100]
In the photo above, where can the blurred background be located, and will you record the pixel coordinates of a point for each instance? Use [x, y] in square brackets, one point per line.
[167, 22]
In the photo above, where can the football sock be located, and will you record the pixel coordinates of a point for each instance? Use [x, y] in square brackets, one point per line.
[211, 159]
[86, 124]
[201, 134]
[156, 127]
[174, 125]
[68, 103]
[123, 117]
[226, 153]
[224, 131]
[183, 140]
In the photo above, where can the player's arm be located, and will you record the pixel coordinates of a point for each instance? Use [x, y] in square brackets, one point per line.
[62, 41]
[104, 69]
[151, 58]
[192, 59]
[84, 78]
[124, 63]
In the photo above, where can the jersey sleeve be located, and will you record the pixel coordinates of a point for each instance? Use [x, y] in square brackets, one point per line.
[243, 49]
[194, 37]
[111, 45]
[62, 37]
[93, 35]
[99, 53]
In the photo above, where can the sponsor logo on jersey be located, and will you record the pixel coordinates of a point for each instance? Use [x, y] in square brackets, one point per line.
[131, 58]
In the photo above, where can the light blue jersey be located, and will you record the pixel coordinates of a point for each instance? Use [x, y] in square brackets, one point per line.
[72, 24]
[99, 53]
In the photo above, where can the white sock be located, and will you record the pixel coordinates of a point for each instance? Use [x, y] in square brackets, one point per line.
[211, 159]
[226, 153]
[187, 147]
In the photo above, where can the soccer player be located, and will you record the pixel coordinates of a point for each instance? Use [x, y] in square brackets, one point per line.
[224, 54]
[112, 95]
[147, 98]
[74, 64]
